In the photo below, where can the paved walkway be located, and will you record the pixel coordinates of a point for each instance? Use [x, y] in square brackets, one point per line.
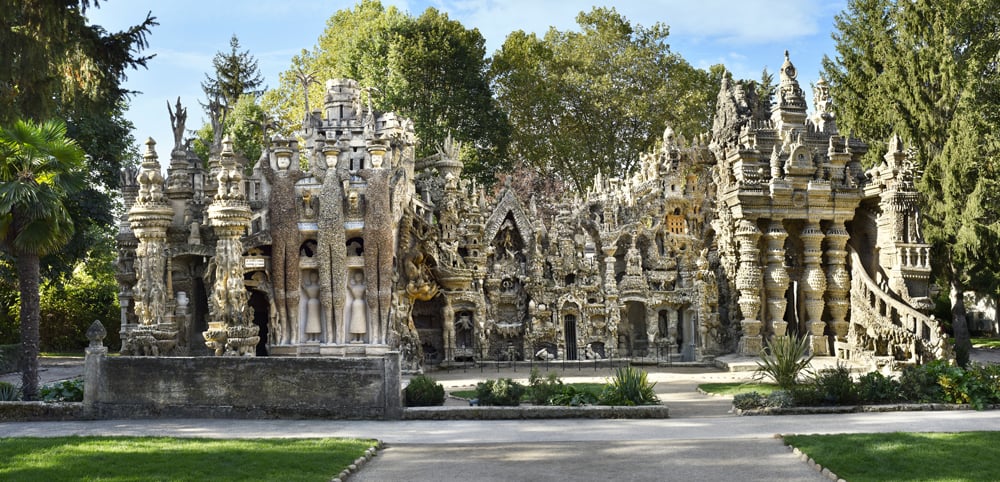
[702, 440]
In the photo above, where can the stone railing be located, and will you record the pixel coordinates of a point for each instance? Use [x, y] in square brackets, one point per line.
[913, 256]
[886, 330]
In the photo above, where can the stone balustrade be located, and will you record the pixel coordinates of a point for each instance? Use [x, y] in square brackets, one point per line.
[884, 326]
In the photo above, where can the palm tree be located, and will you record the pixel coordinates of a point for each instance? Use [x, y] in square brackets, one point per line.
[39, 168]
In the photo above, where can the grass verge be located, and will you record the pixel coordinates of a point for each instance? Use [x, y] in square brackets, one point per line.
[964, 456]
[164, 458]
[736, 388]
[991, 343]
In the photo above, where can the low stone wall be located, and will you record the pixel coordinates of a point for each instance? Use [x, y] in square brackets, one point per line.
[40, 411]
[243, 387]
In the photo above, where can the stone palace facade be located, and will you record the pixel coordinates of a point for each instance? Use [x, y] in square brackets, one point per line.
[341, 243]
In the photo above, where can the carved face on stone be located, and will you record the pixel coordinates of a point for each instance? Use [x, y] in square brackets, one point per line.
[331, 162]
[376, 161]
[284, 162]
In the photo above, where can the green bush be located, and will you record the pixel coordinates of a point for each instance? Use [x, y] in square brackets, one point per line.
[629, 387]
[783, 358]
[919, 384]
[10, 358]
[64, 391]
[9, 392]
[780, 399]
[424, 391]
[875, 388]
[977, 385]
[748, 401]
[502, 392]
[834, 386]
[806, 395]
[573, 397]
[541, 390]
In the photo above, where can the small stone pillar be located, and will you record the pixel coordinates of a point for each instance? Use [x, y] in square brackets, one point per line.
[393, 387]
[813, 286]
[776, 278]
[838, 280]
[96, 353]
[748, 282]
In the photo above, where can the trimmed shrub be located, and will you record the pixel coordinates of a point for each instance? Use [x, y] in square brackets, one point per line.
[834, 386]
[782, 359]
[503, 392]
[541, 390]
[919, 383]
[780, 399]
[424, 391]
[629, 387]
[876, 388]
[748, 401]
[64, 391]
[573, 397]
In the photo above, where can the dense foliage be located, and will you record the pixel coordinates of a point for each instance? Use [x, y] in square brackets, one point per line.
[423, 391]
[502, 392]
[936, 382]
[428, 68]
[594, 100]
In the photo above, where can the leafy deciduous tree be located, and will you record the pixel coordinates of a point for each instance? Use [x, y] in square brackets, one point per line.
[580, 102]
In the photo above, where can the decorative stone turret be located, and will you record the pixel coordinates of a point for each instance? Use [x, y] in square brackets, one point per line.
[231, 329]
[149, 218]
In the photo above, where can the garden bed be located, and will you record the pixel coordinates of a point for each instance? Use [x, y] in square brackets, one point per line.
[895, 407]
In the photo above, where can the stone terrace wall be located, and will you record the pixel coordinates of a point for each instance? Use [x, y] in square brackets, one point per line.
[244, 387]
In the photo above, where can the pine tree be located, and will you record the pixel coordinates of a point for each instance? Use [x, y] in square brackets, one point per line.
[928, 71]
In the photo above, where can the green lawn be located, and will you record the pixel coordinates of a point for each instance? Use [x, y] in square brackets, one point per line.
[162, 458]
[965, 456]
[736, 388]
[594, 388]
[993, 343]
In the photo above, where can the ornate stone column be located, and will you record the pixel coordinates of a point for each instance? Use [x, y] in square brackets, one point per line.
[149, 218]
[748, 282]
[813, 286]
[838, 280]
[776, 277]
[231, 329]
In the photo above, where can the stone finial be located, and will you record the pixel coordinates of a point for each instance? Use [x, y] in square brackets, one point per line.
[96, 334]
[149, 158]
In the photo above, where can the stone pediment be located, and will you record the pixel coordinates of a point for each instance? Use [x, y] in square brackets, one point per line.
[509, 204]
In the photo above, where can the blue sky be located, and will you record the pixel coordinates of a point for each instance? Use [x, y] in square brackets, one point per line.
[744, 35]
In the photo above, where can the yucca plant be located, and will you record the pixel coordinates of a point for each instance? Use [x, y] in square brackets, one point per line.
[630, 386]
[9, 392]
[783, 358]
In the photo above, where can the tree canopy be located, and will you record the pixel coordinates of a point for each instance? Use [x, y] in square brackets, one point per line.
[928, 71]
[580, 102]
[429, 68]
[232, 93]
[59, 66]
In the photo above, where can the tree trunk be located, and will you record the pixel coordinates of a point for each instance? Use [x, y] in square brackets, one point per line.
[28, 280]
[959, 325]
